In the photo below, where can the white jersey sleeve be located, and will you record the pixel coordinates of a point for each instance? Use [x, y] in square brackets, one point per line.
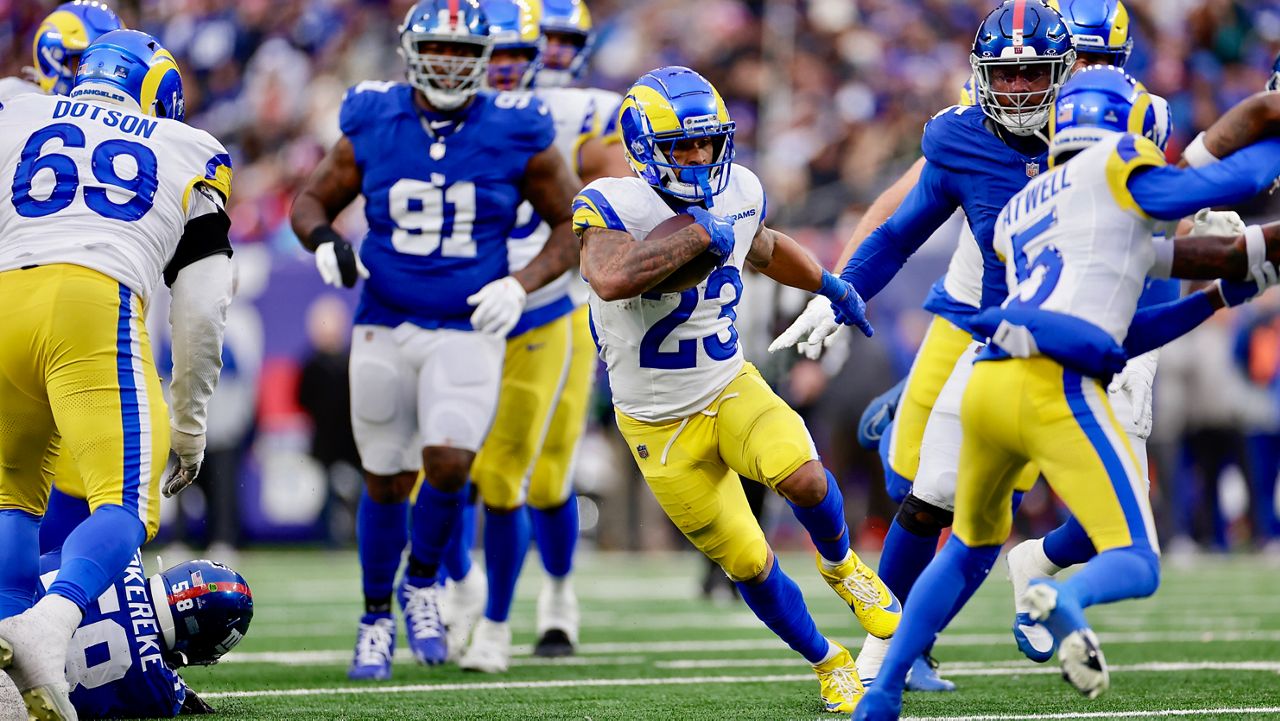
[670, 354]
[101, 187]
[573, 112]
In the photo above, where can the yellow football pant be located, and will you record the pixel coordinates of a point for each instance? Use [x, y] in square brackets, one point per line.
[938, 353]
[550, 482]
[75, 361]
[1032, 410]
[535, 372]
[692, 466]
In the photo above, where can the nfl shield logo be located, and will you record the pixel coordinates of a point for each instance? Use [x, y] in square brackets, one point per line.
[1033, 169]
[643, 451]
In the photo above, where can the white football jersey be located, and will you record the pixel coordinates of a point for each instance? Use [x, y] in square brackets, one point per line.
[573, 111]
[963, 280]
[12, 87]
[669, 355]
[1075, 241]
[102, 187]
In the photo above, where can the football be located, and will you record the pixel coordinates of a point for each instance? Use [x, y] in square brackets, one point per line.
[689, 274]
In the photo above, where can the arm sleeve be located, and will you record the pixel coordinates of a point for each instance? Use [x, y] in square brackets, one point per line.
[1170, 193]
[198, 317]
[887, 249]
[1156, 325]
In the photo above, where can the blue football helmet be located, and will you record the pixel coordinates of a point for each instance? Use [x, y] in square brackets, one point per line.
[1274, 82]
[1099, 28]
[131, 68]
[203, 609]
[564, 61]
[513, 25]
[446, 79]
[62, 38]
[1096, 103]
[1028, 38]
[671, 104]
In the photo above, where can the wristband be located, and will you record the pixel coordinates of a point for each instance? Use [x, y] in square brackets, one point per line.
[832, 287]
[1197, 155]
[320, 235]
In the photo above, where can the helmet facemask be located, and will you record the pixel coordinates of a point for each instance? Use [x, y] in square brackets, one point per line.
[563, 58]
[693, 182]
[516, 73]
[447, 80]
[1021, 112]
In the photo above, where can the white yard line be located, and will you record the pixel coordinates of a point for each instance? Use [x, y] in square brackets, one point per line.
[325, 658]
[1158, 713]
[1014, 668]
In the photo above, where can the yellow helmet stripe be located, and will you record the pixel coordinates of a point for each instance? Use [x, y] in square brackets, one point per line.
[1138, 113]
[1119, 28]
[654, 106]
[530, 20]
[162, 62]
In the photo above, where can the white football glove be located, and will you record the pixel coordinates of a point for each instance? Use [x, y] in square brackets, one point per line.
[498, 306]
[189, 449]
[1135, 383]
[1217, 223]
[814, 330]
[331, 270]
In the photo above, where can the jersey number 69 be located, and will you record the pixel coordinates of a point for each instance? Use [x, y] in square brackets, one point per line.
[66, 176]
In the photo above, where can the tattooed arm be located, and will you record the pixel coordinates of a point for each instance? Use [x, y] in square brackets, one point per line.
[618, 266]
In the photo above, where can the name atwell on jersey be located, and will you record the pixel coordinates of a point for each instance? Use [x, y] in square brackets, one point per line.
[126, 122]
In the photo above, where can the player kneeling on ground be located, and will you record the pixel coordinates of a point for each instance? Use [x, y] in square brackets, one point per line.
[692, 410]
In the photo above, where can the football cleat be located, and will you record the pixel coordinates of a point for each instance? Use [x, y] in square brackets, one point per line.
[33, 650]
[1034, 640]
[923, 676]
[838, 679]
[872, 602]
[878, 705]
[557, 619]
[423, 623]
[1083, 664]
[490, 650]
[375, 645]
[461, 606]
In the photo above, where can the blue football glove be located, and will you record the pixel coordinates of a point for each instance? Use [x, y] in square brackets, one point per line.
[845, 301]
[1237, 292]
[720, 230]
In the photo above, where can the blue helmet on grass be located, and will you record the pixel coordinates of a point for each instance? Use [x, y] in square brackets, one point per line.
[203, 609]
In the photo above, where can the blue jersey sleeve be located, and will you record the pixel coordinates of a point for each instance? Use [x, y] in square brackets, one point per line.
[1170, 193]
[530, 125]
[1155, 325]
[887, 249]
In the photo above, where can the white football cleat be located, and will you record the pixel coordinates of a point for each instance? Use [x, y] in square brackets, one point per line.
[490, 650]
[33, 650]
[1083, 664]
[461, 606]
[558, 619]
[1027, 562]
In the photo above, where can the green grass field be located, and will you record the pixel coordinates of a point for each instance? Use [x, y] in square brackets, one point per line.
[1207, 646]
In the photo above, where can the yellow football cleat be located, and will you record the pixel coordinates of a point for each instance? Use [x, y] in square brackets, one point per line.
[872, 602]
[841, 688]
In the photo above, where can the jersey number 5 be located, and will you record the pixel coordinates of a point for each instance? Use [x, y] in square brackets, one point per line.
[66, 178]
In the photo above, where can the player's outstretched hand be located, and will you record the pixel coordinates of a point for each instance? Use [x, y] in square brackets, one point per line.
[498, 306]
[847, 305]
[720, 230]
[814, 330]
[338, 264]
[189, 448]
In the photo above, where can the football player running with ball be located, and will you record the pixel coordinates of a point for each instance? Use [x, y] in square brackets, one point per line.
[693, 412]
[443, 167]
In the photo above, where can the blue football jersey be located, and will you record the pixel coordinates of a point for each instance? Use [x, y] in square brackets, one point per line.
[986, 172]
[439, 213]
[114, 663]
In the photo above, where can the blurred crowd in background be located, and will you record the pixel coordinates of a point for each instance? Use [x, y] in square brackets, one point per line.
[829, 97]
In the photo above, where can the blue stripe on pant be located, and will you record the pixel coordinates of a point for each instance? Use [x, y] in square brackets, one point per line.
[1073, 385]
[130, 412]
